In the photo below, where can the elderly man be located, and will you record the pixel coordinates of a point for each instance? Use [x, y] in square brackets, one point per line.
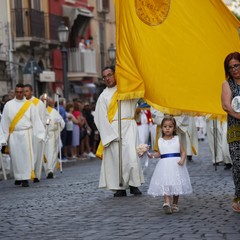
[106, 119]
[56, 124]
[20, 121]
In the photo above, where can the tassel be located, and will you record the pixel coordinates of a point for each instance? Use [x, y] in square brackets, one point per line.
[6, 151]
[58, 165]
[44, 159]
[33, 175]
[194, 150]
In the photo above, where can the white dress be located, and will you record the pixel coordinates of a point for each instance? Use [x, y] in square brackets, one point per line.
[169, 178]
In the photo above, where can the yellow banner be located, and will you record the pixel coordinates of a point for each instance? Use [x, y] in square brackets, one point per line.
[171, 53]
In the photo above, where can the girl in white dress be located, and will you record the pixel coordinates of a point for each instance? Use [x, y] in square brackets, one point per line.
[170, 177]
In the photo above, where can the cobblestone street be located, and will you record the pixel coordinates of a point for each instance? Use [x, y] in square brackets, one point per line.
[72, 207]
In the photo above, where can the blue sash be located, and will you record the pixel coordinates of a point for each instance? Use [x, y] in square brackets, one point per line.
[170, 155]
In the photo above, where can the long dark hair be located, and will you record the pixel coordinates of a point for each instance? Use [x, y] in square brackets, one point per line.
[171, 119]
[230, 56]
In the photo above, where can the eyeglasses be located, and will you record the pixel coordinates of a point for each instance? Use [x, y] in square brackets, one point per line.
[234, 67]
[108, 76]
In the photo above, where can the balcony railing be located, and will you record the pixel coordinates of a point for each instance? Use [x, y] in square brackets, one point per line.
[33, 23]
[54, 21]
[79, 61]
[28, 23]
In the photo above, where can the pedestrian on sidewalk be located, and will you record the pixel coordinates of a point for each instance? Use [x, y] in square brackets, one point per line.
[170, 177]
[230, 96]
[106, 120]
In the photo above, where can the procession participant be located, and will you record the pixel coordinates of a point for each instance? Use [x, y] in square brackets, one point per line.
[192, 139]
[225, 148]
[143, 119]
[214, 136]
[37, 144]
[230, 94]
[20, 121]
[62, 111]
[52, 146]
[106, 119]
[201, 127]
[182, 122]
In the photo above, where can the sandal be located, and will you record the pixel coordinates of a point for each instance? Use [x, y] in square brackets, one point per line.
[236, 207]
[167, 209]
[175, 208]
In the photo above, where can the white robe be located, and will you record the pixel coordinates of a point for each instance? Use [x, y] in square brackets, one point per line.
[192, 138]
[143, 128]
[37, 144]
[131, 166]
[52, 146]
[214, 136]
[20, 141]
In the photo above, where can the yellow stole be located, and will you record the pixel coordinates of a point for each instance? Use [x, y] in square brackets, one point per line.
[49, 109]
[19, 115]
[112, 109]
[35, 101]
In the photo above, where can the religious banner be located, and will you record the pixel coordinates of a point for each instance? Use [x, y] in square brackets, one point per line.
[171, 53]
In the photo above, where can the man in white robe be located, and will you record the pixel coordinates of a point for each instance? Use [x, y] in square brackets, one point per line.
[214, 136]
[37, 144]
[56, 125]
[192, 139]
[20, 121]
[132, 175]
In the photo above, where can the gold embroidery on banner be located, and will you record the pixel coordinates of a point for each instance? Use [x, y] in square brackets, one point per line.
[152, 12]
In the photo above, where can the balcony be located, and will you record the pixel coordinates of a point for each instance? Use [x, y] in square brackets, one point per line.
[30, 25]
[81, 64]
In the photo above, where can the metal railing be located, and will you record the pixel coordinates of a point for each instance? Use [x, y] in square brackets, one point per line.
[81, 61]
[33, 23]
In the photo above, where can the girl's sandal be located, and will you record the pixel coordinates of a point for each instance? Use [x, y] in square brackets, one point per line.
[236, 207]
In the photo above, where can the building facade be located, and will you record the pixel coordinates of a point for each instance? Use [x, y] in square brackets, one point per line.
[30, 51]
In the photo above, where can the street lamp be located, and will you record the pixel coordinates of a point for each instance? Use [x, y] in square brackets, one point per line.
[63, 38]
[112, 54]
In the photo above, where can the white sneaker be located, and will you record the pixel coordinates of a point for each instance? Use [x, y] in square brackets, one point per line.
[91, 155]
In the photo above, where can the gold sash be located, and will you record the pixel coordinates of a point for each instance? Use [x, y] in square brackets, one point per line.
[18, 116]
[112, 109]
[49, 109]
[35, 101]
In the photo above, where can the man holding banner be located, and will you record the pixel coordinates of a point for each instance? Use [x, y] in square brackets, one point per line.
[106, 119]
[20, 121]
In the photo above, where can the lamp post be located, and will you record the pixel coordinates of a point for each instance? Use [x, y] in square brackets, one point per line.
[63, 38]
[112, 54]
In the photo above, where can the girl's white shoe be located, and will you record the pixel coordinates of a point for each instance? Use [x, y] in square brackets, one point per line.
[175, 208]
[167, 208]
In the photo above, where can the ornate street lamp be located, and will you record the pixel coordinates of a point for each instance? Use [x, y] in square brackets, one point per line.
[63, 38]
[112, 54]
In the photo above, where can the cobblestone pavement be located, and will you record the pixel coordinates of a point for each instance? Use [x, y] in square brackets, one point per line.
[71, 206]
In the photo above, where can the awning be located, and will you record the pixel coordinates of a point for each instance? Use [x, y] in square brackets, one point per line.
[73, 12]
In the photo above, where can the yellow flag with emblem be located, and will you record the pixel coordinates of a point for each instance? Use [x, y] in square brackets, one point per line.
[171, 53]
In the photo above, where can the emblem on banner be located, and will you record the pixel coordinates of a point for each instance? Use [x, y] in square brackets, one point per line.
[152, 12]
